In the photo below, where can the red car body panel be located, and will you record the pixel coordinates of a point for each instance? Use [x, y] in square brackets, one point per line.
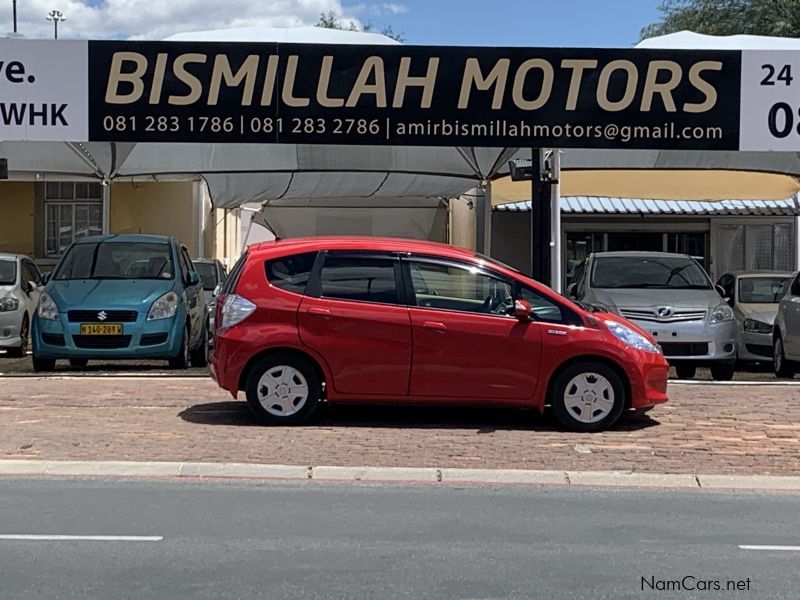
[396, 353]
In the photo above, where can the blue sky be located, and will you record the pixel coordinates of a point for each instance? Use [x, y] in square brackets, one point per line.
[590, 23]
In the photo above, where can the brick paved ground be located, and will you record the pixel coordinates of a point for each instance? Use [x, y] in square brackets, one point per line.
[751, 429]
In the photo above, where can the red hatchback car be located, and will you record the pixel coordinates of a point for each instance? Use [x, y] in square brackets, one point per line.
[349, 319]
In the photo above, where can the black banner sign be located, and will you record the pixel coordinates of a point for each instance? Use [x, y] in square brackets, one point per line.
[410, 95]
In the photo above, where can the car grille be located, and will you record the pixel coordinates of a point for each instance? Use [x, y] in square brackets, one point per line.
[53, 339]
[102, 341]
[112, 316]
[759, 349]
[684, 348]
[677, 316]
[153, 339]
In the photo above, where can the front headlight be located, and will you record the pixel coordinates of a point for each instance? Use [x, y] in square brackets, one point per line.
[164, 308]
[47, 308]
[634, 339]
[8, 304]
[754, 326]
[721, 313]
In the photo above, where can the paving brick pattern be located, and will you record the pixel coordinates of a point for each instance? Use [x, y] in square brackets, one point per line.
[752, 429]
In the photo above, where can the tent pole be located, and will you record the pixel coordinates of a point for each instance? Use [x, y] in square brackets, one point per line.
[106, 186]
[555, 223]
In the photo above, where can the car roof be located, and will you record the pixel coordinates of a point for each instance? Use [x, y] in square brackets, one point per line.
[8, 255]
[379, 244]
[746, 274]
[125, 237]
[640, 254]
[206, 260]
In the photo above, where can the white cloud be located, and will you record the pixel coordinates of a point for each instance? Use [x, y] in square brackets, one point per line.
[380, 9]
[157, 19]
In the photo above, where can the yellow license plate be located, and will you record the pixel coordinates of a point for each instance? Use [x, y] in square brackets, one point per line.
[101, 328]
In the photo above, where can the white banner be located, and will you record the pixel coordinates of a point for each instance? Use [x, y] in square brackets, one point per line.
[769, 115]
[44, 90]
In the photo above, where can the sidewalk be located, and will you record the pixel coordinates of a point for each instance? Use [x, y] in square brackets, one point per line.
[731, 429]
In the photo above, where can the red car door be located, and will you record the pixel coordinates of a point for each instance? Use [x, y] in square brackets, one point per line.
[358, 326]
[466, 344]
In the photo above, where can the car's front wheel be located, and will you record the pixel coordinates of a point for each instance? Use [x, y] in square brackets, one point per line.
[283, 389]
[181, 360]
[43, 365]
[24, 332]
[785, 369]
[588, 396]
[199, 356]
[686, 371]
[722, 372]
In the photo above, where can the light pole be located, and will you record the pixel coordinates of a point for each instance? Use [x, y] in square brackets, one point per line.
[14, 4]
[55, 16]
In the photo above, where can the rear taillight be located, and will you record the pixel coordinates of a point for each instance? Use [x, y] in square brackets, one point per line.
[235, 309]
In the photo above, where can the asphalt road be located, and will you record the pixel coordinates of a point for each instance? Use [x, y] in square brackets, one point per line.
[224, 540]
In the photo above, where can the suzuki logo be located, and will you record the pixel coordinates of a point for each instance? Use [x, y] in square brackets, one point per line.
[102, 315]
[664, 311]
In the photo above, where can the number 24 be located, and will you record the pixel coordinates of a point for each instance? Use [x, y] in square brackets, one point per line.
[784, 75]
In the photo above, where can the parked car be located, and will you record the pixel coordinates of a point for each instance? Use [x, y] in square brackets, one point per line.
[353, 319]
[786, 332]
[754, 297]
[212, 274]
[122, 297]
[20, 282]
[672, 298]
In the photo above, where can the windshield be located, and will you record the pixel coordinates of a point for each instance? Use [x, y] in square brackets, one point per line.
[117, 260]
[8, 271]
[208, 275]
[761, 290]
[658, 272]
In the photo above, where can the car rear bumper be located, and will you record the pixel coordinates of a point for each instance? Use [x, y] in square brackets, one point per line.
[139, 340]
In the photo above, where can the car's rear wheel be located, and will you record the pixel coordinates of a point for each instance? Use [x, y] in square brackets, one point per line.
[283, 389]
[78, 362]
[785, 369]
[43, 365]
[199, 356]
[588, 396]
[686, 371]
[181, 360]
[722, 372]
[22, 350]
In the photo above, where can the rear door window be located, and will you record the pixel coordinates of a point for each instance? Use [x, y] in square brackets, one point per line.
[233, 279]
[291, 273]
[359, 278]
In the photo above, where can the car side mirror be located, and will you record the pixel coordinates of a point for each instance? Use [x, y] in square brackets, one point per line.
[217, 290]
[572, 288]
[523, 310]
[193, 278]
[721, 290]
[46, 277]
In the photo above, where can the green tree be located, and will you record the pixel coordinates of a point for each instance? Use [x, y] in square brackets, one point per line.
[728, 17]
[331, 20]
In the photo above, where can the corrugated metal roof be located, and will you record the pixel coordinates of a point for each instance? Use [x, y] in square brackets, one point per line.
[636, 206]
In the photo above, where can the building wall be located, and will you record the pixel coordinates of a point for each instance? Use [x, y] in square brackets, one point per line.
[157, 208]
[17, 217]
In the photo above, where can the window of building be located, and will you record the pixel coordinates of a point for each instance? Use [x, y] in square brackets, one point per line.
[72, 210]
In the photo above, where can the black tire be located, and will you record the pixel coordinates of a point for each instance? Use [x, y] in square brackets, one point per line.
[78, 362]
[199, 356]
[568, 416]
[24, 333]
[723, 372]
[686, 371]
[181, 360]
[43, 365]
[274, 363]
[784, 369]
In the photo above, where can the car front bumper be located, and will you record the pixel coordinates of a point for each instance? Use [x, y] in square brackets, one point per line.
[696, 342]
[141, 339]
[755, 347]
[10, 323]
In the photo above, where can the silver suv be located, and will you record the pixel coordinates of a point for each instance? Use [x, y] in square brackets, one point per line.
[671, 297]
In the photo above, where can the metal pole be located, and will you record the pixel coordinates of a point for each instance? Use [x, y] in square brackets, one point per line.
[14, 3]
[540, 221]
[55, 22]
[106, 185]
[555, 223]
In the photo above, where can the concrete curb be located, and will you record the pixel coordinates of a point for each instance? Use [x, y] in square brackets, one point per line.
[397, 475]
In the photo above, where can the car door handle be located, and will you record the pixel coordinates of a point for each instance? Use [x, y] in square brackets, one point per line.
[434, 325]
[319, 311]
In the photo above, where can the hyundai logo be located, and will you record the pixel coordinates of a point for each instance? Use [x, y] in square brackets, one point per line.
[664, 311]
[102, 315]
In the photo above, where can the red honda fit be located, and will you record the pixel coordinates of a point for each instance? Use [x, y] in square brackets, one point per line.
[350, 319]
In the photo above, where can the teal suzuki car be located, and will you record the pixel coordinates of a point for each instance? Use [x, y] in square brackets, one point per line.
[128, 297]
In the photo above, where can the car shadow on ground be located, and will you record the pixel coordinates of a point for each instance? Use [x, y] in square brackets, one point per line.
[482, 420]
